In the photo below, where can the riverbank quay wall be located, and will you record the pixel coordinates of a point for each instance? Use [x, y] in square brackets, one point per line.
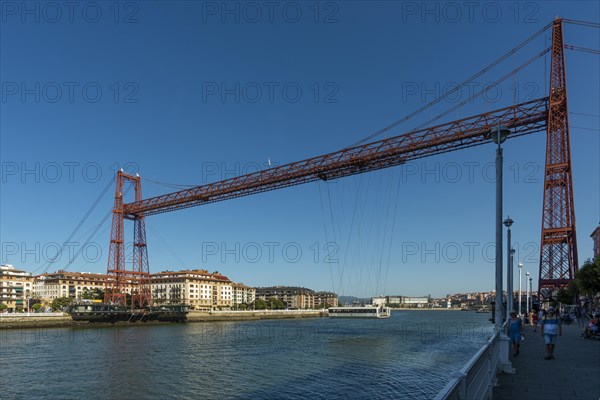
[50, 320]
[46, 320]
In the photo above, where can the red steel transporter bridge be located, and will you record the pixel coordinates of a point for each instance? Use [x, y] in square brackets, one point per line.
[558, 250]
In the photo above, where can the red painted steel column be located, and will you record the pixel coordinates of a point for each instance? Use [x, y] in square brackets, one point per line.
[119, 277]
[558, 249]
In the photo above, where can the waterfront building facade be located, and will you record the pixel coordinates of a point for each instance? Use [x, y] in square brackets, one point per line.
[414, 301]
[596, 238]
[16, 287]
[294, 297]
[75, 285]
[378, 301]
[193, 287]
[222, 291]
[198, 288]
[326, 299]
[242, 294]
[401, 301]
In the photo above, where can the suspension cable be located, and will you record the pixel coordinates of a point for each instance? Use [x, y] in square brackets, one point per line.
[582, 23]
[585, 114]
[94, 233]
[169, 185]
[484, 90]
[88, 240]
[45, 266]
[164, 242]
[440, 98]
[583, 49]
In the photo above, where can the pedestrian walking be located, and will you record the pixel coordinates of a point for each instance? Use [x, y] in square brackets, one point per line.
[531, 318]
[536, 319]
[514, 330]
[551, 328]
[583, 321]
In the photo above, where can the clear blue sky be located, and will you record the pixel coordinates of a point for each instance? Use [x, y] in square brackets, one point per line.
[191, 92]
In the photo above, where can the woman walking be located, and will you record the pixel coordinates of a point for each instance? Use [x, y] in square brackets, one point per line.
[514, 331]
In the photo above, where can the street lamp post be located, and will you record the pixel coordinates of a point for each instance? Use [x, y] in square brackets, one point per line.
[498, 137]
[520, 267]
[527, 290]
[509, 269]
[510, 288]
[530, 292]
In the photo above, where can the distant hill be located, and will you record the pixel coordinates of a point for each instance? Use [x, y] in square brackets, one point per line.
[351, 300]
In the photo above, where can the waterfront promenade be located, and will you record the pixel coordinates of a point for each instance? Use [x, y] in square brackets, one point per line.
[574, 374]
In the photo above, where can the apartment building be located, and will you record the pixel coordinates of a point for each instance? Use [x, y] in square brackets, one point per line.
[596, 238]
[243, 294]
[326, 299]
[415, 301]
[199, 288]
[297, 297]
[50, 286]
[16, 287]
[193, 287]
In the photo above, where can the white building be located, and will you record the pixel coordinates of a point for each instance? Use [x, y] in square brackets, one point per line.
[50, 286]
[378, 301]
[198, 288]
[16, 287]
[243, 294]
[415, 301]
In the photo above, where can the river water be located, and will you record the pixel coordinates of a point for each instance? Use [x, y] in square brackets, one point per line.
[410, 355]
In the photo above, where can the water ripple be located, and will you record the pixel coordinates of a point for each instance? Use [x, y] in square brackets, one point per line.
[411, 355]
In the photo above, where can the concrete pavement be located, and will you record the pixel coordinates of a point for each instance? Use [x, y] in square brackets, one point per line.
[574, 374]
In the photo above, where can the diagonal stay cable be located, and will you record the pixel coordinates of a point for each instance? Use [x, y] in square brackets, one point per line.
[93, 234]
[582, 23]
[45, 266]
[484, 90]
[453, 90]
[582, 49]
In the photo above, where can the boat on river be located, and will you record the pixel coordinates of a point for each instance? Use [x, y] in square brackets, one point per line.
[103, 312]
[367, 311]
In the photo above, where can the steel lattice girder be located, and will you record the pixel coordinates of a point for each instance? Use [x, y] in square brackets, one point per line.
[522, 119]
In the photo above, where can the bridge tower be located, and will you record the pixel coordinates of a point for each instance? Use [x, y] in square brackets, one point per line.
[558, 248]
[119, 277]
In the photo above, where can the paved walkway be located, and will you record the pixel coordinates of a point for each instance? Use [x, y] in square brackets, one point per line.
[574, 374]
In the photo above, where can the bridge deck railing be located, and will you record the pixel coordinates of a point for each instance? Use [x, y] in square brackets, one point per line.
[476, 379]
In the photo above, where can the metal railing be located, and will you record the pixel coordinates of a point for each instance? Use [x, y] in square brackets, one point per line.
[476, 379]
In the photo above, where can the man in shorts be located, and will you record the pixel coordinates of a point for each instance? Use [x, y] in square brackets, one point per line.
[551, 328]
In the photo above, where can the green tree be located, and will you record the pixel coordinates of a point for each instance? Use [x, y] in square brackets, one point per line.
[275, 304]
[567, 295]
[260, 304]
[588, 277]
[562, 296]
[3, 306]
[98, 294]
[85, 294]
[60, 303]
[36, 307]
[94, 294]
